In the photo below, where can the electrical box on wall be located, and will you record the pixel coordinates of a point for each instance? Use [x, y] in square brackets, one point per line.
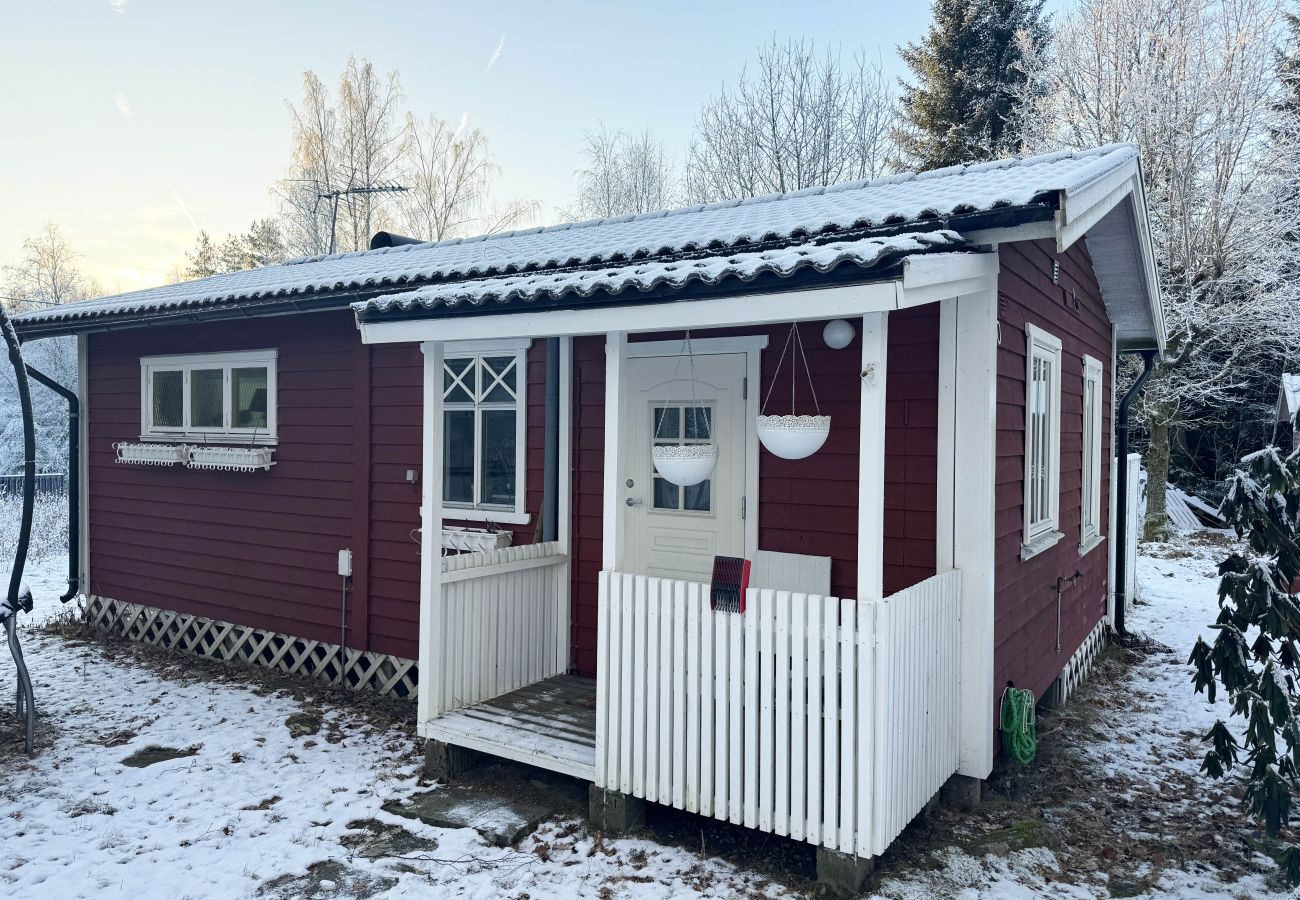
[345, 563]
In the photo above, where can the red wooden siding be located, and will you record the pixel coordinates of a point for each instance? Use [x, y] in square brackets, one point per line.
[396, 433]
[254, 548]
[805, 506]
[1026, 609]
[588, 487]
[260, 549]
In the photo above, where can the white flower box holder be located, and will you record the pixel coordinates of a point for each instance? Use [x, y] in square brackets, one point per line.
[231, 459]
[686, 464]
[472, 540]
[151, 454]
[793, 437]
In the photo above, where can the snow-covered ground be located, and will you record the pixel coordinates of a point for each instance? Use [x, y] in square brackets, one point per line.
[256, 808]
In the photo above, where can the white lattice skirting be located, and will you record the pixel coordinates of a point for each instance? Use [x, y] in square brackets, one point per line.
[362, 670]
[1077, 669]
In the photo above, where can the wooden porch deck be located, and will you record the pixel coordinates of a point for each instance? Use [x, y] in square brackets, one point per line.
[550, 724]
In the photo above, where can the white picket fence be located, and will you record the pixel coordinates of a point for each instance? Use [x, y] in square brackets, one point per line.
[829, 721]
[505, 623]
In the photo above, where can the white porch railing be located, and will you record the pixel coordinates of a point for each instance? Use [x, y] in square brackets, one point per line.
[830, 721]
[505, 623]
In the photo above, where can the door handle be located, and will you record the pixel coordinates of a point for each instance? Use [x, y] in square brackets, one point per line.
[633, 501]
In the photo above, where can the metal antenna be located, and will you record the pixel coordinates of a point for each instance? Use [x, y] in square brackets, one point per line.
[384, 188]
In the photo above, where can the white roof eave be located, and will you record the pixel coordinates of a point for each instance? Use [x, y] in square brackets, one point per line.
[1083, 208]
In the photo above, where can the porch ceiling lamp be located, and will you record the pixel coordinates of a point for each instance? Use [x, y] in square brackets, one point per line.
[794, 436]
[837, 334]
[686, 464]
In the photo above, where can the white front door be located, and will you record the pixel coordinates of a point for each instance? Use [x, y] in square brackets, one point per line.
[671, 531]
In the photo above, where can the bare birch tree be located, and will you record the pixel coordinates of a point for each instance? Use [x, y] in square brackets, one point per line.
[349, 143]
[47, 274]
[624, 173]
[801, 119]
[362, 140]
[1192, 84]
[449, 179]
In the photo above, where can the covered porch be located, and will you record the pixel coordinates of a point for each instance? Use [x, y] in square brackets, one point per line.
[829, 716]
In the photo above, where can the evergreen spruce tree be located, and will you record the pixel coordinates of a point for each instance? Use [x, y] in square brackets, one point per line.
[1288, 65]
[971, 75]
[1256, 653]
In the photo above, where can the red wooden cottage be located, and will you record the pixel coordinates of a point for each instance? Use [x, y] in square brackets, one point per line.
[454, 471]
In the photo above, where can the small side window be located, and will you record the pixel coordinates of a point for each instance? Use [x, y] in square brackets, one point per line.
[1042, 441]
[1090, 501]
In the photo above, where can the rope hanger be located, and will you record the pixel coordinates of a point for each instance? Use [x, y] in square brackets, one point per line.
[794, 339]
[696, 408]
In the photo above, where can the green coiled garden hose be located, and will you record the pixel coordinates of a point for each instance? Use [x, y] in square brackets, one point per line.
[1017, 723]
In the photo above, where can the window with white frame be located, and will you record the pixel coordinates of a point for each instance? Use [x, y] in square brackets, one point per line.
[209, 397]
[484, 420]
[1042, 441]
[1090, 502]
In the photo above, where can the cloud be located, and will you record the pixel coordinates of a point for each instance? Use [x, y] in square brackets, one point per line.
[464, 120]
[123, 105]
[496, 54]
[118, 6]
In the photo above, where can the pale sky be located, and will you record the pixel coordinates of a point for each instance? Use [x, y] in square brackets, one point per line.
[134, 123]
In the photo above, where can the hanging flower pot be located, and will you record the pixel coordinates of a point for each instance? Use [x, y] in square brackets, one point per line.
[685, 464]
[793, 437]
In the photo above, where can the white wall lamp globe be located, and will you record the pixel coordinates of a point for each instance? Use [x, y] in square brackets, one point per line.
[838, 334]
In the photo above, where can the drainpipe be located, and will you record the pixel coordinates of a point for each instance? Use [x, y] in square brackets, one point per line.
[1121, 489]
[551, 456]
[73, 482]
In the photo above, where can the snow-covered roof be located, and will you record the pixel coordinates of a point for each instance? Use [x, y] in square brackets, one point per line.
[1288, 398]
[727, 227]
[654, 274]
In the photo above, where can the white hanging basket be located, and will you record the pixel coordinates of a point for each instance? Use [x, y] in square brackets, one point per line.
[793, 437]
[151, 454]
[231, 459]
[685, 464]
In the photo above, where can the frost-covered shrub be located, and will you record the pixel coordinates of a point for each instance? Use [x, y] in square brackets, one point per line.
[49, 527]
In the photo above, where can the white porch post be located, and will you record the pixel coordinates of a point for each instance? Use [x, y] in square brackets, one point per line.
[564, 501]
[612, 534]
[432, 632]
[871, 458]
[968, 365]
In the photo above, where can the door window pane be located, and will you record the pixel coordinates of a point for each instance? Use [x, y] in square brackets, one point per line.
[206, 398]
[697, 423]
[675, 426]
[667, 421]
[498, 457]
[248, 398]
[458, 456]
[168, 399]
[697, 497]
[666, 494]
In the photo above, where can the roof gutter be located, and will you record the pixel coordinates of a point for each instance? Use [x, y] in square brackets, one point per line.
[1038, 210]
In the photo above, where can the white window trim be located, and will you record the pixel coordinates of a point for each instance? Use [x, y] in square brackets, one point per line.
[1090, 534]
[226, 434]
[455, 512]
[1039, 536]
